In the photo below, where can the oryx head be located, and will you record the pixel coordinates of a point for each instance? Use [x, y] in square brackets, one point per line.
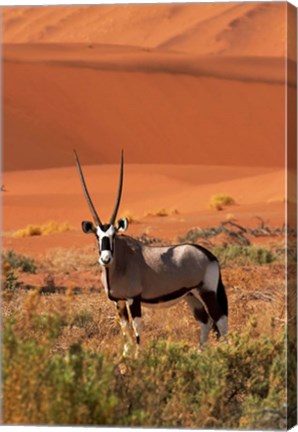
[105, 233]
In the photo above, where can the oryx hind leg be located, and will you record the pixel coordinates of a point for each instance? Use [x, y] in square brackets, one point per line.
[200, 314]
[212, 294]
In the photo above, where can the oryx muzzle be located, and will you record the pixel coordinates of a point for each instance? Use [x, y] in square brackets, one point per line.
[134, 274]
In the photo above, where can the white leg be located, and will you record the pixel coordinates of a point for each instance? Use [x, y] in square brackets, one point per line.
[205, 329]
[222, 325]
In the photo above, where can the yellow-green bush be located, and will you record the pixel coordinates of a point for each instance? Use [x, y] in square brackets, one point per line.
[244, 255]
[163, 212]
[47, 228]
[238, 383]
[220, 201]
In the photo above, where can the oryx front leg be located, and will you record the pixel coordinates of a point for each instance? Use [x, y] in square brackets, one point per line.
[125, 327]
[134, 306]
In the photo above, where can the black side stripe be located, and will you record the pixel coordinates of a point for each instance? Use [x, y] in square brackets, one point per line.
[169, 297]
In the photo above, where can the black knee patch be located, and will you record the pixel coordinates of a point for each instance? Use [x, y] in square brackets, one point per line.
[201, 315]
[135, 308]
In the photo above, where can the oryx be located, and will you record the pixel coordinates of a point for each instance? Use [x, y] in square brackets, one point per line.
[134, 275]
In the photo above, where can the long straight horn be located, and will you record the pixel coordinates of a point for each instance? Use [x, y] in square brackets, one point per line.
[89, 201]
[114, 215]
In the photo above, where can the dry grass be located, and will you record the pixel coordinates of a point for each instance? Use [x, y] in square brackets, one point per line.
[66, 260]
[219, 201]
[163, 212]
[51, 227]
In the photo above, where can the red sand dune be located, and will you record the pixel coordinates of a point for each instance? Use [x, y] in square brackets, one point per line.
[244, 29]
[156, 117]
[168, 83]
[194, 92]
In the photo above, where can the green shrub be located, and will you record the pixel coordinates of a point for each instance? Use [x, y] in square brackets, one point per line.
[243, 255]
[81, 319]
[18, 261]
[82, 383]
[11, 281]
[233, 384]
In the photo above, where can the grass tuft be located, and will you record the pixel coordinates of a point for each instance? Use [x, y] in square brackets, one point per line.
[220, 201]
[48, 228]
[163, 212]
[10, 280]
[18, 261]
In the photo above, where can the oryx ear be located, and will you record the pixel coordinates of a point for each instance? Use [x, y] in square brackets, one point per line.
[122, 224]
[88, 227]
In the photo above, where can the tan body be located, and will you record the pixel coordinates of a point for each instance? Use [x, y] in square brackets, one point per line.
[152, 272]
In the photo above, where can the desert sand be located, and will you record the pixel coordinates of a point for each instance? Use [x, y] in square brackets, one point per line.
[194, 94]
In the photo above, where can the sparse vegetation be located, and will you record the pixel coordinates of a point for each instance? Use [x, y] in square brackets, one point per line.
[10, 280]
[195, 233]
[243, 255]
[48, 228]
[163, 213]
[220, 201]
[235, 232]
[18, 261]
[81, 319]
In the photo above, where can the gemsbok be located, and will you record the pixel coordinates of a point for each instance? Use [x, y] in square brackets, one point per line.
[136, 275]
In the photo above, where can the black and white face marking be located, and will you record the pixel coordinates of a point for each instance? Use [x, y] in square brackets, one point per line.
[105, 235]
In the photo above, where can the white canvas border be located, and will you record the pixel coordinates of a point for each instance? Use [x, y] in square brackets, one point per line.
[10, 3]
